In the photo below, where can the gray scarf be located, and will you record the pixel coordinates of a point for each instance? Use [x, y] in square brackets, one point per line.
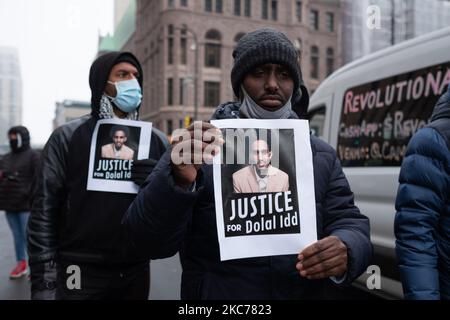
[106, 110]
[250, 109]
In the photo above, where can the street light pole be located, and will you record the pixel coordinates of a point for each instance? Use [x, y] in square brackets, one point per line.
[392, 22]
[196, 65]
[196, 44]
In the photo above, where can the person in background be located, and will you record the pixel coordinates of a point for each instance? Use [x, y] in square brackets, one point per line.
[17, 169]
[422, 222]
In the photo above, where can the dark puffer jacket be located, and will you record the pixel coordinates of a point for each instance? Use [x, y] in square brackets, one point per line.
[164, 219]
[17, 171]
[67, 221]
[422, 222]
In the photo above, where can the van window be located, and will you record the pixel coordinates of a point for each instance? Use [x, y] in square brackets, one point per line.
[379, 118]
[317, 121]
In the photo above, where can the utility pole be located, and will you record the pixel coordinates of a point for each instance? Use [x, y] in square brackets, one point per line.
[196, 65]
[392, 22]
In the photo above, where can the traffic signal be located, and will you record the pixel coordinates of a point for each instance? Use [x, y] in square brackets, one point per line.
[187, 121]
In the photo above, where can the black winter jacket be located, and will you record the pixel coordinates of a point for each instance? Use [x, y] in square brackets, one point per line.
[18, 169]
[68, 221]
[165, 219]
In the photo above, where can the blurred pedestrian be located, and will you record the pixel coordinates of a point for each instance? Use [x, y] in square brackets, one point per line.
[422, 222]
[71, 226]
[17, 169]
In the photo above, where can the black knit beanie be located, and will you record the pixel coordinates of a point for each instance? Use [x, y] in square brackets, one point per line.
[268, 45]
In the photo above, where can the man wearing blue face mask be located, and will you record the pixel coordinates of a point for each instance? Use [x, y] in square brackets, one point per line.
[76, 247]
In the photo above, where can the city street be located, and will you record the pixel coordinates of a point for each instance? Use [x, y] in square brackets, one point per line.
[254, 137]
[10, 289]
[165, 277]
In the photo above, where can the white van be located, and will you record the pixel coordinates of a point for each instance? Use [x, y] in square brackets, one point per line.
[368, 110]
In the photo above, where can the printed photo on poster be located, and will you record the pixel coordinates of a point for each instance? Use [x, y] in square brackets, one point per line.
[262, 199]
[257, 178]
[115, 145]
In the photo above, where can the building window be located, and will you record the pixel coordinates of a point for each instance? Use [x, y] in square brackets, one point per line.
[208, 5]
[298, 11]
[171, 3]
[237, 7]
[314, 62]
[212, 94]
[238, 36]
[298, 47]
[184, 3]
[248, 8]
[170, 45]
[314, 19]
[212, 49]
[265, 9]
[219, 6]
[317, 121]
[169, 127]
[330, 22]
[12, 92]
[170, 91]
[330, 61]
[183, 47]
[274, 10]
[182, 91]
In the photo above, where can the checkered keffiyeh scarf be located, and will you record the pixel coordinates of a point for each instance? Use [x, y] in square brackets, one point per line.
[106, 110]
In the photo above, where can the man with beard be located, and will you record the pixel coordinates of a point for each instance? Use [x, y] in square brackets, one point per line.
[260, 176]
[175, 210]
[76, 232]
[118, 149]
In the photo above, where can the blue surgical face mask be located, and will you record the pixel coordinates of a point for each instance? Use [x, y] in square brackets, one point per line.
[129, 95]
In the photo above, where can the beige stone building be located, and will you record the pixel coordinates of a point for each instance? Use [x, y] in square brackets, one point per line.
[185, 47]
[69, 110]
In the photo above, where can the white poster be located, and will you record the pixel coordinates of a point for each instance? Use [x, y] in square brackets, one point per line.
[264, 188]
[116, 143]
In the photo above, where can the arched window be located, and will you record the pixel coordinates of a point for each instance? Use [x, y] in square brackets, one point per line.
[183, 46]
[330, 61]
[314, 62]
[213, 46]
[299, 48]
[239, 36]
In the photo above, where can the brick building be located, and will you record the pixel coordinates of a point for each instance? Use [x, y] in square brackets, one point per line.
[185, 47]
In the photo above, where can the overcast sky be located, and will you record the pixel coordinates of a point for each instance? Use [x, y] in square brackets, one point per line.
[57, 42]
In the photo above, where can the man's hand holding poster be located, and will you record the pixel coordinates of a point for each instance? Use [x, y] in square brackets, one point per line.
[116, 143]
[264, 188]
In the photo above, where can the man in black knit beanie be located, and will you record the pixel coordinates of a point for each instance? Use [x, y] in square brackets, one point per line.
[176, 211]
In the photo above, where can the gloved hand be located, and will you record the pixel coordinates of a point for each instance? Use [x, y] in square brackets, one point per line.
[11, 176]
[141, 170]
[43, 281]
